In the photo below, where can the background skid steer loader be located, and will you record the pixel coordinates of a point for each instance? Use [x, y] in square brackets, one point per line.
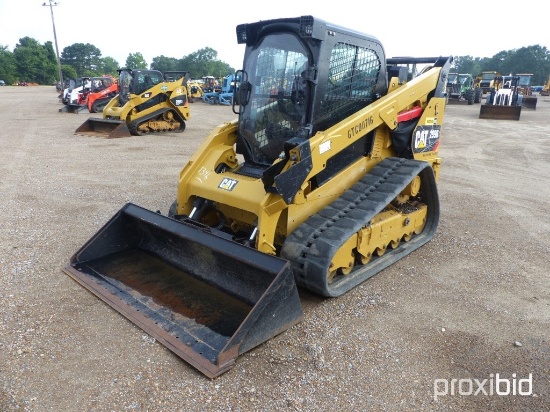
[73, 96]
[148, 102]
[328, 176]
[504, 101]
[92, 96]
[461, 89]
[103, 89]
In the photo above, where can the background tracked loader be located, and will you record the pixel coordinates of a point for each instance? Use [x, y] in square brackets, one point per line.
[148, 101]
[194, 90]
[545, 91]
[328, 176]
[102, 91]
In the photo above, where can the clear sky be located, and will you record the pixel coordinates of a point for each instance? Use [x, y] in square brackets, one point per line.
[176, 28]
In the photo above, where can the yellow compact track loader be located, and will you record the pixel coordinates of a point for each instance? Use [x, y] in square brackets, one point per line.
[328, 176]
[148, 101]
[486, 80]
[546, 88]
[194, 91]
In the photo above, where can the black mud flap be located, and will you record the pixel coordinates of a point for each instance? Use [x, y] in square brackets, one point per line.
[206, 298]
[105, 128]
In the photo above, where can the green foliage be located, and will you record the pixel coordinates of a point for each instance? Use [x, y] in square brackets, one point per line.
[204, 62]
[467, 64]
[165, 64]
[85, 58]
[8, 67]
[531, 59]
[136, 61]
[34, 62]
[37, 63]
[68, 71]
[109, 66]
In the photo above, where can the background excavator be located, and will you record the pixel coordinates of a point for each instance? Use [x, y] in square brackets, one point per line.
[328, 175]
[148, 101]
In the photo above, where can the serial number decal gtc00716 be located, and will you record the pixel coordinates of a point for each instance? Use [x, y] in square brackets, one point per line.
[426, 138]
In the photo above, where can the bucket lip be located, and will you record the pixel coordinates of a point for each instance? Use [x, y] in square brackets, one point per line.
[153, 327]
[210, 353]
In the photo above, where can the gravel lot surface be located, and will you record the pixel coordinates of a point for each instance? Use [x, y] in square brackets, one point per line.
[430, 333]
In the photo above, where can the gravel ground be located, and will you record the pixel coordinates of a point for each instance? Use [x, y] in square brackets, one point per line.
[430, 333]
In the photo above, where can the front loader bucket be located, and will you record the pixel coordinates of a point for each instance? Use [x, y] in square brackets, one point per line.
[106, 128]
[206, 298]
[461, 102]
[82, 109]
[493, 111]
[73, 108]
[529, 102]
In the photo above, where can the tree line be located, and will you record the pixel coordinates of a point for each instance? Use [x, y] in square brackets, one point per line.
[530, 59]
[33, 62]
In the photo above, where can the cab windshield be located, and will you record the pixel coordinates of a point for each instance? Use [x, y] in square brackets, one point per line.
[276, 109]
[463, 79]
[124, 82]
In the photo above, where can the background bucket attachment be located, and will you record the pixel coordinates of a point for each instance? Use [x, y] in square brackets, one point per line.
[206, 298]
[71, 108]
[529, 102]
[105, 128]
[499, 112]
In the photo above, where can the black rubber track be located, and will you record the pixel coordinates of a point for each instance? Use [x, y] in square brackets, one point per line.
[311, 246]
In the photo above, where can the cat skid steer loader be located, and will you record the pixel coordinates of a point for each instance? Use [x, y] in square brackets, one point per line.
[328, 176]
[148, 101]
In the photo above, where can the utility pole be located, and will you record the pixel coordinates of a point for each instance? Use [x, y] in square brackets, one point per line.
[52, 3]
